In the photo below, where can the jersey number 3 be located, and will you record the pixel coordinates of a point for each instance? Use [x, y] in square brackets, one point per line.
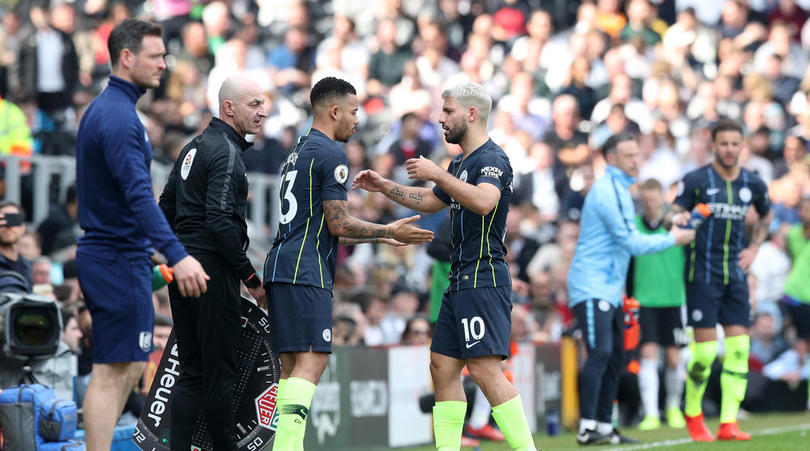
[289, 179]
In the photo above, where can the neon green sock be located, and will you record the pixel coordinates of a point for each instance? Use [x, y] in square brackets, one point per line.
[448, 421]
[292, 422]
[734, 378]
[697, 374]
[512, 422]
[277, 414]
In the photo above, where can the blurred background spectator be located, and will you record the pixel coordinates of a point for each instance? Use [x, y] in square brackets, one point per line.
[563, 75]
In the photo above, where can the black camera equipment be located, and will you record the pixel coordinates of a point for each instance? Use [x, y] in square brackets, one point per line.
[30, 325]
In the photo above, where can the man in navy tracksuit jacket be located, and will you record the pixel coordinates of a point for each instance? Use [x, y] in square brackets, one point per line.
[121, 220]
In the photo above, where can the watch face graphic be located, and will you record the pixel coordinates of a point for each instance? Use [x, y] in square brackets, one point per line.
[255, 391]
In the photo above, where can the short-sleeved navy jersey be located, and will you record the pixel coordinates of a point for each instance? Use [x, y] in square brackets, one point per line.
[718, 241]
[304, 252]
[477, 258]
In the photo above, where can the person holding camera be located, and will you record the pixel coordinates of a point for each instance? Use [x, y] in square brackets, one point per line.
[12, 228]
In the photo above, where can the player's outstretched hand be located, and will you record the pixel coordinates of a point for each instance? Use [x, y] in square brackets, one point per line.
[369, 181]
[390, 242]
[405, 232]
[191, 277]
[423, 169]
[682, 236]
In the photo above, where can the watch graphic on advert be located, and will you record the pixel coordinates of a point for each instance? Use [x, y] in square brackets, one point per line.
[259, 369]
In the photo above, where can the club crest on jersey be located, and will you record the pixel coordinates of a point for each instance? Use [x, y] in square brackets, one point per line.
[745, 194]
[187, 162]
[463, 176]
[341, 173]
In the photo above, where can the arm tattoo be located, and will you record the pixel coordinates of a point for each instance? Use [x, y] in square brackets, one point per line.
[344, 225]
[396, 192]
[352, 241]
[760, 232]
[410, 197]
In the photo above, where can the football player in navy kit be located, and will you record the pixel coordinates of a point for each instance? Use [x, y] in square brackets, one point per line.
[475, 318]
[300, 267]
[716, 285]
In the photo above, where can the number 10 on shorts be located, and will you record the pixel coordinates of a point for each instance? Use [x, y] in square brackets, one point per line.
[473, 328]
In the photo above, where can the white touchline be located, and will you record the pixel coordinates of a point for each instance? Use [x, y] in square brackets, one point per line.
[681, 441]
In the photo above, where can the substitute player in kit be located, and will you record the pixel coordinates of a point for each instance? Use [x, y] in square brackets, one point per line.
[657, 283]
[300, 267]
[475, 318]
[716, 284]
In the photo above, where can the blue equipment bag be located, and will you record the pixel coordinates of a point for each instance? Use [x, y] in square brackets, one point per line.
[57, 419]
[19, 412]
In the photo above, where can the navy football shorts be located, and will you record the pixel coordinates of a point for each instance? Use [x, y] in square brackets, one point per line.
[300, 317]
[474, 323]
[710, 303]
[118, 292]
[800, 312]
[662, 325]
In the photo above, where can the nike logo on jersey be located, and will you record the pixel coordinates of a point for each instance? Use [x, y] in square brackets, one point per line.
[712, 191]
[470, 345]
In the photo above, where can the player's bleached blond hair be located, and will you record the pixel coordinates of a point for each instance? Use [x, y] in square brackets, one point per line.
[471, 95]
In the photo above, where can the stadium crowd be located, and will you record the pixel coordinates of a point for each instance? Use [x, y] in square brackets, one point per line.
[563, 75]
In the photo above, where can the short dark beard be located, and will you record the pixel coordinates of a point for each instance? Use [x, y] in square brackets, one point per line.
[343, 138]
[456, 134]
[725, 166]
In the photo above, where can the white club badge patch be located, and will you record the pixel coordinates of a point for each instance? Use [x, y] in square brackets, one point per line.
[185, 168]
[604, 306]
[327, 335]
[341, 173]
[463, 176]
[697, 315]
[745, 194]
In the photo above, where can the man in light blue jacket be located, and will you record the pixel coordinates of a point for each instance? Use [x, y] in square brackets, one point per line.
[607, 239]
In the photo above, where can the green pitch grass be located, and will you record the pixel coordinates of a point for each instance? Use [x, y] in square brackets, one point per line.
[771, 432]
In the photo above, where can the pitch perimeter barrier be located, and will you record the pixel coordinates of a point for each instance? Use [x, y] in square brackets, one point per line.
[40, 175]
[368, 398]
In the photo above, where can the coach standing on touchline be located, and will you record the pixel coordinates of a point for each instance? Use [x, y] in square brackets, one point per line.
[205, 201]
[121, 220]
[607, 238]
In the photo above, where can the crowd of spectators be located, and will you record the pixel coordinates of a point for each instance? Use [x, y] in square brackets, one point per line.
[564, 75]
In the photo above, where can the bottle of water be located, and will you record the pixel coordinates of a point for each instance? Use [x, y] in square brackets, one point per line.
[699, 214]
[162, 275]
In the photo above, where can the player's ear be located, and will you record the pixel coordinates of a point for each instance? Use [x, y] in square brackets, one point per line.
[126, 58]
[472, 114]
[333, 111]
